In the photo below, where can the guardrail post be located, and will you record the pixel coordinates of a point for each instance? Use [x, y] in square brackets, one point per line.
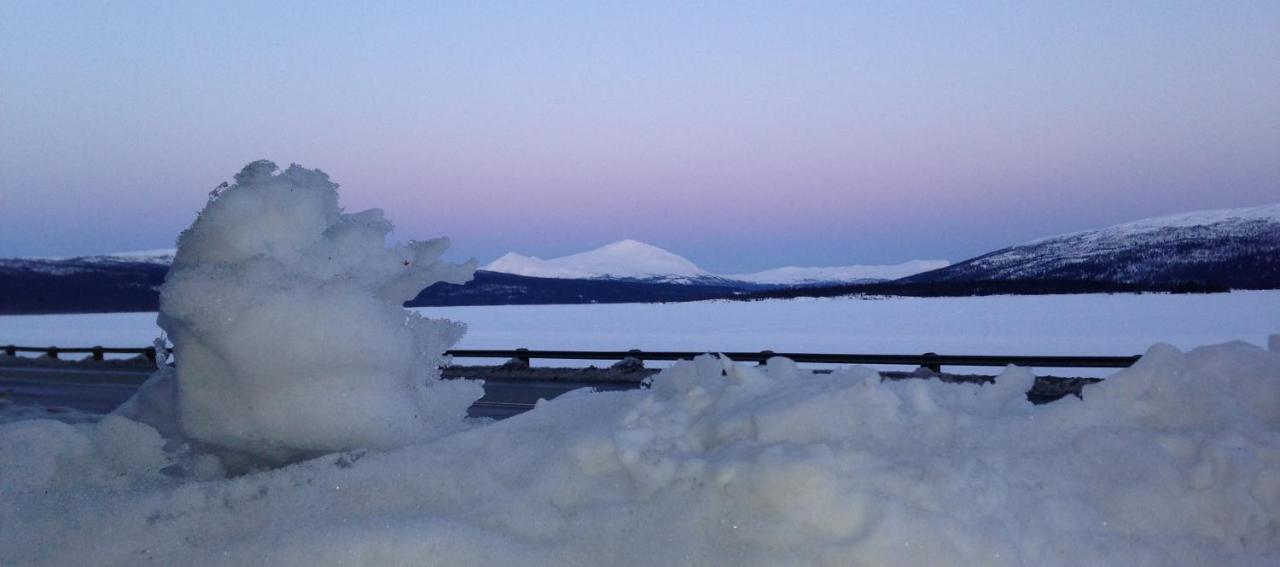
[97, 353]
[633, 362]
[151, 354]
[930, 362]
[51, 352]
[522, 354]
[765, 355]
[11, 350]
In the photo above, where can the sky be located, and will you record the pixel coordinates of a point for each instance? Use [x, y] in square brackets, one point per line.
[741, 135]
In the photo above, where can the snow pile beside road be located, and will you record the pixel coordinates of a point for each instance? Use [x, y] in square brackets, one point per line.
[1175, 461]
[287, 321]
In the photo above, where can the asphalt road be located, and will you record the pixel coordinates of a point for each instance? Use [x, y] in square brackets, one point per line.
[100, 391]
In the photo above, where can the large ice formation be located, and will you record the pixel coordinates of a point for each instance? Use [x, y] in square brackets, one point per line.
[288, 327]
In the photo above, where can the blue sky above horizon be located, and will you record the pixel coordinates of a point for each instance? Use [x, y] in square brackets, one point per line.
[743, 136]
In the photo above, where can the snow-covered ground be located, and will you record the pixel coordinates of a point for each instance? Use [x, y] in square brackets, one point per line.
[1118, 324]
[1059, 324]
[1173, 462]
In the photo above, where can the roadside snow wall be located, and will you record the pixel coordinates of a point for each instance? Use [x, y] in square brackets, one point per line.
[1175, 461]
[289, 332]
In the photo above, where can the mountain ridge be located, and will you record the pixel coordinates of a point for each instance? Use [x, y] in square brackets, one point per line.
[1237, 248]
[1199, 251]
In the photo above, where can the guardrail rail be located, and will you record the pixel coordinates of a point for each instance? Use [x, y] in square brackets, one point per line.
[930, 360]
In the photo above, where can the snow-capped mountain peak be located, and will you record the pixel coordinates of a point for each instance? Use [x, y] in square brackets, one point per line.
[622, 259]
[631, 259]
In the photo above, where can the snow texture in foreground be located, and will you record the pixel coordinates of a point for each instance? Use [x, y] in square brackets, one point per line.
[287, 322]
[1175, 461]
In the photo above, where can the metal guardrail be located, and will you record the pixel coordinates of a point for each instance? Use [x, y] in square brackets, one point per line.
[98, 352]
[929, 360]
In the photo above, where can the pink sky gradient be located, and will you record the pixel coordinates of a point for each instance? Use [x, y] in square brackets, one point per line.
[742, 136]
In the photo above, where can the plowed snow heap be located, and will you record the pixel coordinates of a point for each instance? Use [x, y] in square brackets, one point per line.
[289, 331]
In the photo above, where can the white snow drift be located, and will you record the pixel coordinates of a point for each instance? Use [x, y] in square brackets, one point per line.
[1173, 462]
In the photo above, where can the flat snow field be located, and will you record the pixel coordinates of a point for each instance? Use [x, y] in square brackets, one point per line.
[1047, 324]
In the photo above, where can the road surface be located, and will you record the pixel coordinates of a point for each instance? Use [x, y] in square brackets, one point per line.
[98, 391]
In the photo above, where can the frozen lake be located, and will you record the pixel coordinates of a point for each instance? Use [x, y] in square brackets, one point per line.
[1061, 324]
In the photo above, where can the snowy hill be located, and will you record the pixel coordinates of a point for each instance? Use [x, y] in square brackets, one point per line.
[1229, 247]
[632, 260]
[625, 259]
[163, 256]
[791, 275]
[85, 284]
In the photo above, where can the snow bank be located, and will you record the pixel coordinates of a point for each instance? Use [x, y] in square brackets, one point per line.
[286, 319]
[1175, 461]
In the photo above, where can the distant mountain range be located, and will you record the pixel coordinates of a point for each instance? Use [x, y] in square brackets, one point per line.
[1197, 251]
[630, 260]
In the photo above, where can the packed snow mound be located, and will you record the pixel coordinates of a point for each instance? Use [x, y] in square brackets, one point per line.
[1175, 461]
[622, 259]
[288, 327]
[791, 275]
